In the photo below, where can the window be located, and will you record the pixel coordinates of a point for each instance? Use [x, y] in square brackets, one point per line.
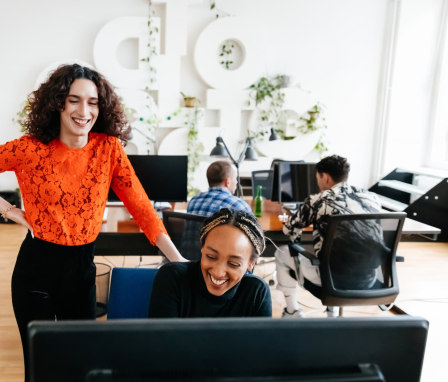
[437, 150]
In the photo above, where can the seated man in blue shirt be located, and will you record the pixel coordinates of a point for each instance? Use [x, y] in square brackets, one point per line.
[222, 181]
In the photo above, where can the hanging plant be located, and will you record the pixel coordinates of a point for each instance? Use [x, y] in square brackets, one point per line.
[194, 147]
[321, 147]
[22, 115]
[152, 120]
[133, 120]
[153, 33]
[313, 120]
[268, 99]
[217, 11]
[226, 54]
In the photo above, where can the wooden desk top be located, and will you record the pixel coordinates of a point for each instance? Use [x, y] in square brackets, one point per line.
[118, 220]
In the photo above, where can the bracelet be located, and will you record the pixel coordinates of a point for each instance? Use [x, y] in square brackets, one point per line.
[6, 210]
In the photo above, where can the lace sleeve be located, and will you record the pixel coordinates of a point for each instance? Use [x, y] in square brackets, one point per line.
[130, 191]
[10, 154]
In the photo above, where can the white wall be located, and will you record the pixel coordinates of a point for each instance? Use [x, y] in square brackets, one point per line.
[332, 48]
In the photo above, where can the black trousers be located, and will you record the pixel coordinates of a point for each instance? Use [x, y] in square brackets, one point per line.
[52, 281]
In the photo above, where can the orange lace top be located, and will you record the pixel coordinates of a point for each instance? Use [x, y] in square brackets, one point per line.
[65, 190]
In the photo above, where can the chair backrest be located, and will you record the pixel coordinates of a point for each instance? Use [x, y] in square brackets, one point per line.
[262, 178]
[358, 259]
[130, 292]
[184, 229]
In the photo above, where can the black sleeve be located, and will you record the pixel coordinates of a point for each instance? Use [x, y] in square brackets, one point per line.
[165, 299]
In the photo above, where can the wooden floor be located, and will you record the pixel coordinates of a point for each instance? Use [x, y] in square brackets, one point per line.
[423, 292]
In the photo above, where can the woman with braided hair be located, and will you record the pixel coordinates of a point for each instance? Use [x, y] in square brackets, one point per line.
[221, 283]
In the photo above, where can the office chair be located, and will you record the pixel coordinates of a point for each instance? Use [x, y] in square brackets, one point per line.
[130, 292]
[262, 178]
[357, 260]
[184, 229]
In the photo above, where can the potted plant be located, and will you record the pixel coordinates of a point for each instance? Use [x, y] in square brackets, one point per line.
[312, 119]
[268, 97]
[189, 101]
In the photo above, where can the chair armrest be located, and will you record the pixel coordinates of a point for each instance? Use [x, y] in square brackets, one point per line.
[296, 249]
[399, 259]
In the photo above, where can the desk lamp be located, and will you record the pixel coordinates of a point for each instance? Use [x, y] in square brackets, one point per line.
[274, 135]
[248, 153]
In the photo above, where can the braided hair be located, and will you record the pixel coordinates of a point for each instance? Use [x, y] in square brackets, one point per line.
[242, 220]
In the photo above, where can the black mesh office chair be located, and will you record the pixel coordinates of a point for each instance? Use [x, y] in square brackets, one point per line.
[262, 178]
[183, 229]
[357, 260]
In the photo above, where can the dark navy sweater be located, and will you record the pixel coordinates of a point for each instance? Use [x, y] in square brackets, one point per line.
[179, 290]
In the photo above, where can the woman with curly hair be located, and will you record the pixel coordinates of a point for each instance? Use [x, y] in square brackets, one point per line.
[221, 283]
[65, 164]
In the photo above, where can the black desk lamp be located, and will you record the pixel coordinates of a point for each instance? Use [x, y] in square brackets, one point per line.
[274, 135]
[248, 153]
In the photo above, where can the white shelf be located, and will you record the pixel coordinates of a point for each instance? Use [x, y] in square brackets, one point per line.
[401, 186]
[391, 204]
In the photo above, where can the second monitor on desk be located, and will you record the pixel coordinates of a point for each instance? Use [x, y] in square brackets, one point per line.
[293, 182]
[163, 177]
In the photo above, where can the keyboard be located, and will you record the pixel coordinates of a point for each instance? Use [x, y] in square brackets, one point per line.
[291, 207]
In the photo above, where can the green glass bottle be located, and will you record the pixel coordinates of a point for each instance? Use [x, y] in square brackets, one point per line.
[258, 202]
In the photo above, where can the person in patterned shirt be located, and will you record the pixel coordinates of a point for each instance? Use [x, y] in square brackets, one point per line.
[222, 181]
[65, 163]
[336, 197]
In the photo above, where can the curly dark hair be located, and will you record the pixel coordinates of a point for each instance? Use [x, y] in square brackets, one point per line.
[45, 104]
[242, 220]
[337, 167]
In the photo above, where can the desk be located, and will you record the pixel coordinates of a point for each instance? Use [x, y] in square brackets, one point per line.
[120, 232]
[414, 227]
[269, 222]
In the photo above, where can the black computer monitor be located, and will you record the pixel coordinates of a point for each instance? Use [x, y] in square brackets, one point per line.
[294, 181]
[164, 177]
[228, 349]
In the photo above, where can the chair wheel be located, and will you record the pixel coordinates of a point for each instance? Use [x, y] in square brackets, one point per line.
[271, 282]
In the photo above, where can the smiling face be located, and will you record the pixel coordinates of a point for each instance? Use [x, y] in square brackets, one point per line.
[225, 258]
[80, 112]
